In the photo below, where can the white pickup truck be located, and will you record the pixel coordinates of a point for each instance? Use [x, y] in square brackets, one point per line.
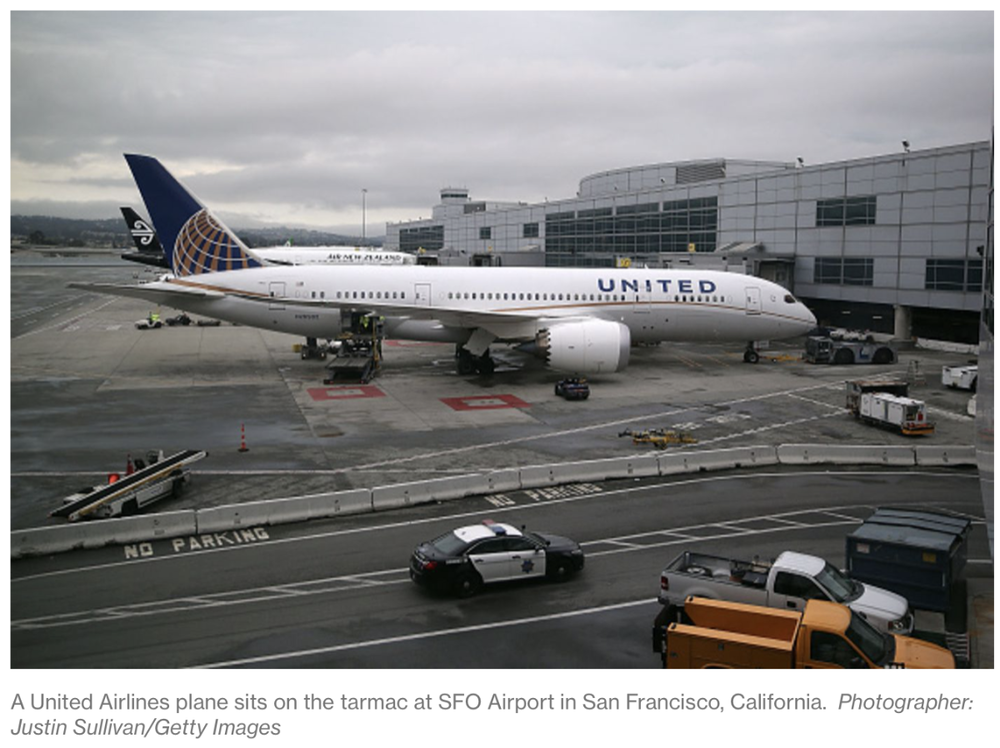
[787, 582]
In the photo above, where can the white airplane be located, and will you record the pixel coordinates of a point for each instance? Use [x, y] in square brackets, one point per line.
[149, 251]
[578, 320]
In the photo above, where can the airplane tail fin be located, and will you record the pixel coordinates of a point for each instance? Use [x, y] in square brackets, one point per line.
[194, 240]
[142, 232]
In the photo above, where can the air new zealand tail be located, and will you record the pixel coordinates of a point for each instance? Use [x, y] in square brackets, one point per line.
[148, 249]
[194, 240]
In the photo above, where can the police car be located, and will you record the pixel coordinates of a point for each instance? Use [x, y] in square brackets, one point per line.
[463, 560]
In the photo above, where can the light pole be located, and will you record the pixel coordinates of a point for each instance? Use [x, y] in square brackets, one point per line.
[364, 219]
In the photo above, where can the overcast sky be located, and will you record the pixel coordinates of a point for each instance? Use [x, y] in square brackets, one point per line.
[285, 118]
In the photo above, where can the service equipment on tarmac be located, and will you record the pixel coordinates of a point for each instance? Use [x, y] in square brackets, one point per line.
[125, 495]
[916, 553]
[960, 377]
[902, 414]
[857, 387]
[787, 582]
[824, 350]
[659, 438]
[723, 634]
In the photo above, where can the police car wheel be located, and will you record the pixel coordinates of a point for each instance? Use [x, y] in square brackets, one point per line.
[467, 584]
[561, 571]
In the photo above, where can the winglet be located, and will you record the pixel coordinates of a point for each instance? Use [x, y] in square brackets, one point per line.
[195, 240]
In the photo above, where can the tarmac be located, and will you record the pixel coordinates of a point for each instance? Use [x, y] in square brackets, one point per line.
[88, 388]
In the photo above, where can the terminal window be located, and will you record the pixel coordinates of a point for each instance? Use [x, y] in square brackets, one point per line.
[430, 238]
[595, 237]
[486, 232]
[853, 271]
[530, 230]
[954, 275]
[846, 211]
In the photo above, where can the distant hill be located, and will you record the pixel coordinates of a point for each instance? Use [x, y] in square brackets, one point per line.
[111, 232]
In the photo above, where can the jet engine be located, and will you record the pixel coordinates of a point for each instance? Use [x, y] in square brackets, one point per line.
[587, 347]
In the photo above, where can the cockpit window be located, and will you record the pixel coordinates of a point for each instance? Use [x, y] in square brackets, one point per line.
[789, 299]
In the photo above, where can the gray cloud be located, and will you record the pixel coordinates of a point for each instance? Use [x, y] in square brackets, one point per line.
[296, 113]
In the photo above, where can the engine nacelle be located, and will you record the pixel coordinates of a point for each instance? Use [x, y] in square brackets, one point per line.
[588, 347]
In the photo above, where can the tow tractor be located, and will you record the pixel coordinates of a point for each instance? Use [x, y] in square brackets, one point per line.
[827, 350]
[960, 377]
[145, 482]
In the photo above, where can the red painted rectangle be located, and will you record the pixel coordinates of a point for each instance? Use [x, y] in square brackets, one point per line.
[345, 392]
[484, 402]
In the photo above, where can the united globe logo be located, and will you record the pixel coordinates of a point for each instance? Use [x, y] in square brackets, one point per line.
[205, 246]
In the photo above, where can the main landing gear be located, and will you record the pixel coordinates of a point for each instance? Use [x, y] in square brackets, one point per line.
[312, 349]
[469, 363]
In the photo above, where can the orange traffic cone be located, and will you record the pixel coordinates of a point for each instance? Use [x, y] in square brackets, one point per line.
[243, 439]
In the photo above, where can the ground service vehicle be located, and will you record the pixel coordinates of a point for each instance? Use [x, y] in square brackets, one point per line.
[463, 560]
[150, 322]
[723, 634]
[856, 388]
[903, 414]
[788, 582]
[124, 495]
[960, 377]
[573, 388]
[823, 350]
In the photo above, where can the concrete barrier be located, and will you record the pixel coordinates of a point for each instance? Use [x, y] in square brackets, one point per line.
[945, 456]
[686, 461]
[99, 533]
[845, 454]
[356, 501]
[281, 511]
[422, 492]
[251, 514]
[539, 476]
[498, 481]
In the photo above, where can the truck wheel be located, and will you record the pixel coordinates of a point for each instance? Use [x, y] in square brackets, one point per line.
[882, 356]
[843, 356]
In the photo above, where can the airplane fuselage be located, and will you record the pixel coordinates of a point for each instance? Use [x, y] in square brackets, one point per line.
[426, 303]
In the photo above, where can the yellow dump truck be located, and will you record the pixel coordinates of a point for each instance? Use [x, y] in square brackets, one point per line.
[724, 634]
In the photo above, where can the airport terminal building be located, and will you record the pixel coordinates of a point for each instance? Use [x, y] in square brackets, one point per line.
[889, 243]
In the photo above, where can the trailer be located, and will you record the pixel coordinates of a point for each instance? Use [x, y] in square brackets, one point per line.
[123, 496]
[855, 388]
[918, 554]
[826, 350]
[902, 414]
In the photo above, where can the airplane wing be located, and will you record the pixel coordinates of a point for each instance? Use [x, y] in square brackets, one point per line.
[509, 326]
[158, 293]
[501, 325]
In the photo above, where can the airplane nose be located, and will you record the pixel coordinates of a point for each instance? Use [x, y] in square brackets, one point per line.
[808, 318]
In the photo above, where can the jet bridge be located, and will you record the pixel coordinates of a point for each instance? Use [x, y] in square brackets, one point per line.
[128, 494]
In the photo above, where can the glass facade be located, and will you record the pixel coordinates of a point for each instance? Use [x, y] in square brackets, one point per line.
[954, 275]
[839, 271]
[846, 211]
[430, 238]
[595, 237]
